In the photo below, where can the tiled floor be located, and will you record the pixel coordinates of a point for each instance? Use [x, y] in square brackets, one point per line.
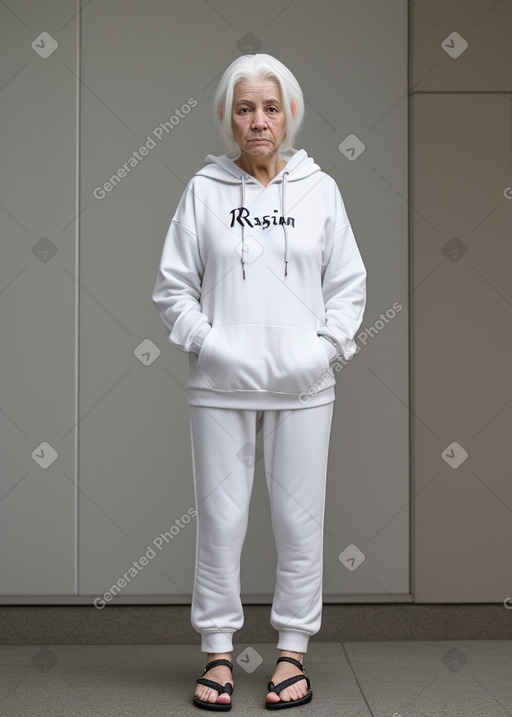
[356, 679]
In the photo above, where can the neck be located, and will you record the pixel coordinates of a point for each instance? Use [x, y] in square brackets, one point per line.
[264, 169]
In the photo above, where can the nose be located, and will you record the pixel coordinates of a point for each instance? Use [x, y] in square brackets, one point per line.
[259, 120]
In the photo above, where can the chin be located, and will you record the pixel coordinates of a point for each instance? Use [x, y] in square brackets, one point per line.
[264, 148]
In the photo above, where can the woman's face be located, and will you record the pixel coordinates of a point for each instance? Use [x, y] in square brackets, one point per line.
[257, 117]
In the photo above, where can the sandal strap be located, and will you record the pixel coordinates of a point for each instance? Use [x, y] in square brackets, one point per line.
[293, 661]
[221, 661]
[228, 687]
[286, 683]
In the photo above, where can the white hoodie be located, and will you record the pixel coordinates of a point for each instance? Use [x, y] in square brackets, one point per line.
[261, 335]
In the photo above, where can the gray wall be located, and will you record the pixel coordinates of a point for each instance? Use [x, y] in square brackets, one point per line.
[86, 364]
[461, 302]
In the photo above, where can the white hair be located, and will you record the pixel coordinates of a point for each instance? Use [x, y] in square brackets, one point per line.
[257, 67]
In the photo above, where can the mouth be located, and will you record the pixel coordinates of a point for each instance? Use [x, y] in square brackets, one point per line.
[259, 140]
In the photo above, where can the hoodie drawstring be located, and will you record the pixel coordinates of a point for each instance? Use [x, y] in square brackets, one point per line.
[242, 177]
[283, 212]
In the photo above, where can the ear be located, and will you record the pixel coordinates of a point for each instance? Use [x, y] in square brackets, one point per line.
[295, 108]
[221, 111]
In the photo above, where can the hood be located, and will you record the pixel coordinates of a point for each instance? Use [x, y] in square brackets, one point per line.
[299, 166]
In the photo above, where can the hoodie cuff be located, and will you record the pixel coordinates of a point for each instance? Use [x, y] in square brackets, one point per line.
[198, 337]
[330, 349]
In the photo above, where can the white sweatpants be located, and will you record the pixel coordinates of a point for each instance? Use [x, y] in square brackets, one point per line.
[295, 446]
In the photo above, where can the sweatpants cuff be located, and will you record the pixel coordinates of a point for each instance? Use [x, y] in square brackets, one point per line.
[217, 641]
[293, 640]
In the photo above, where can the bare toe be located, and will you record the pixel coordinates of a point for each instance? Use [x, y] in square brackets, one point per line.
[221, 674]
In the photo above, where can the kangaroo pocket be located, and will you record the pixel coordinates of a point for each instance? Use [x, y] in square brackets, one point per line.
[259, 357]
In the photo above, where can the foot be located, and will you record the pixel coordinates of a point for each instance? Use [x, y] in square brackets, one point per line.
[220, 673]
[282, 672]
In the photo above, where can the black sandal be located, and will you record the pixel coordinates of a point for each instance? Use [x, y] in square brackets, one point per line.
[228, 688]
[286, 683]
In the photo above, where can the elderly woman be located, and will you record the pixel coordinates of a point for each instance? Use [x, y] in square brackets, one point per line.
[262, 284]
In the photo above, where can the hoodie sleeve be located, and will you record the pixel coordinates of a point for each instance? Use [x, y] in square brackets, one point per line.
[177, 289]
[343, 284]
